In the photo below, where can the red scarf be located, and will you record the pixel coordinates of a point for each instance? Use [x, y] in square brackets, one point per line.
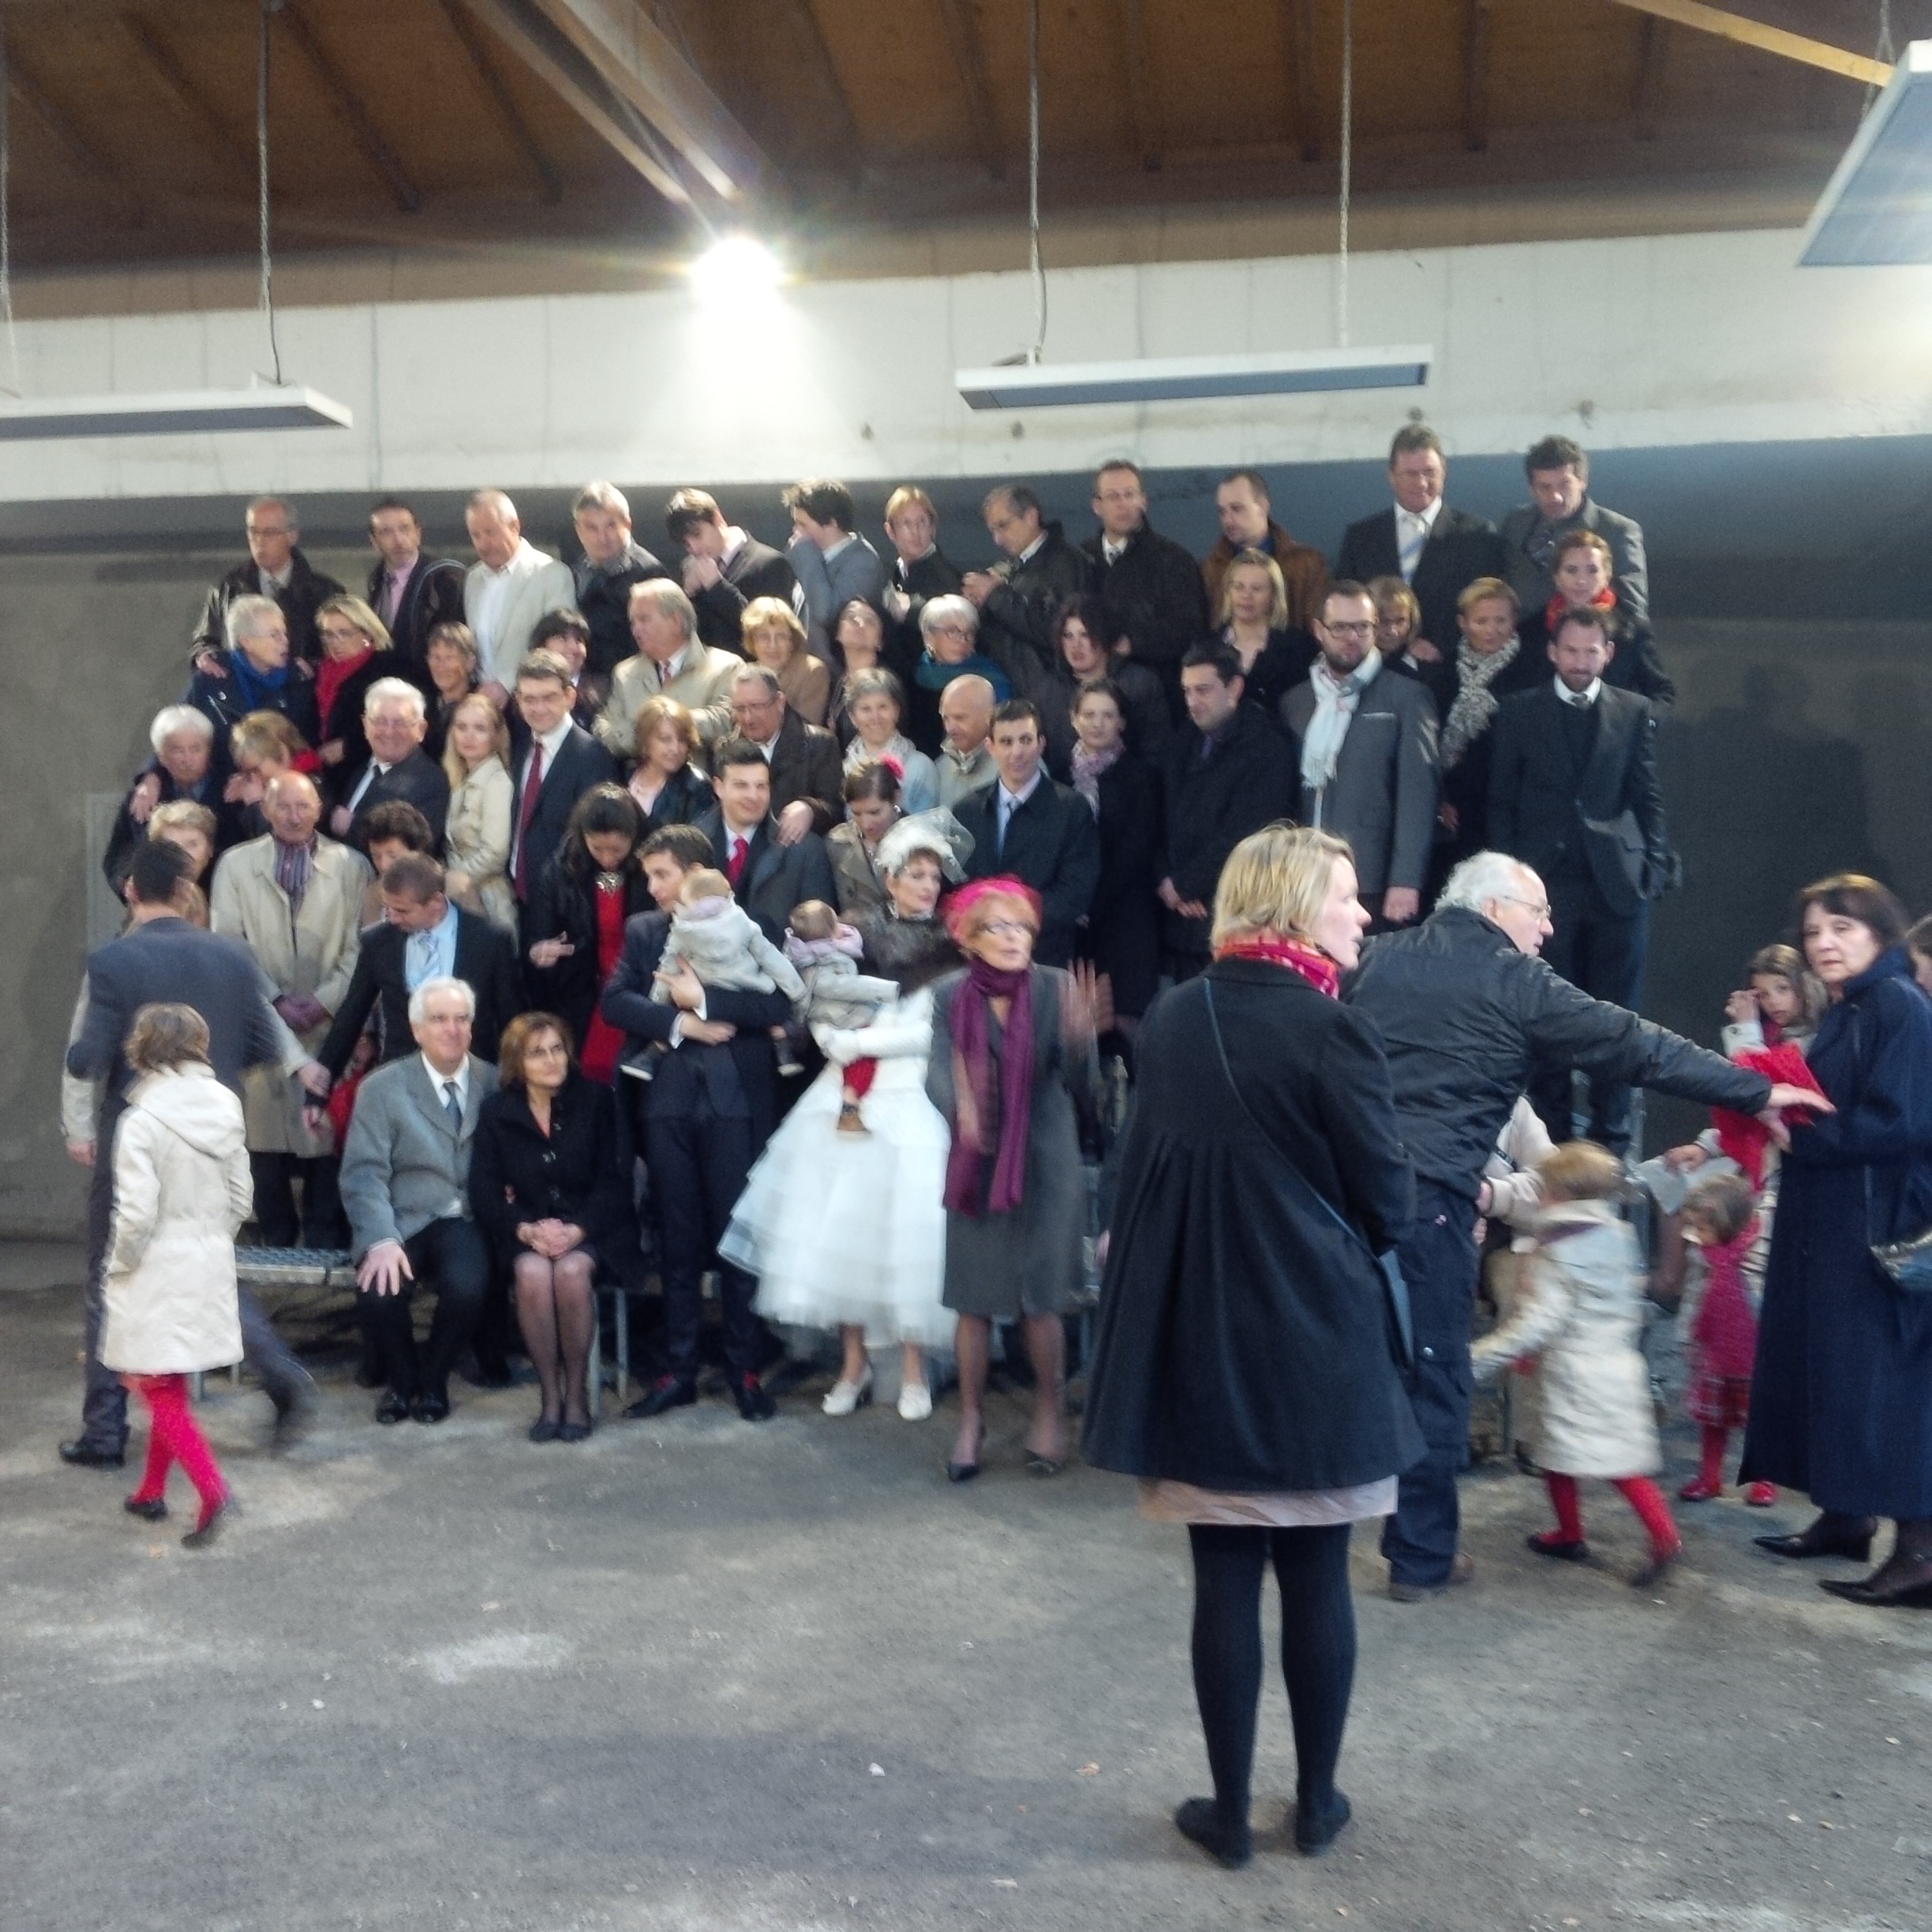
[331, 674]
[1314, 965]
[1744, 1136]
[1553, 611]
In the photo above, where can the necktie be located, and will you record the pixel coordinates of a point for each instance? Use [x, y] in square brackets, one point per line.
[533, 785]
[664, 675]
[734, 865]
[1006, 805]
[393, 588]
[452, 1106]
[1414, 537]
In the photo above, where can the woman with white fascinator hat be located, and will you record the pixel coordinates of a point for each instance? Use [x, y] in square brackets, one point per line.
[846, 1231]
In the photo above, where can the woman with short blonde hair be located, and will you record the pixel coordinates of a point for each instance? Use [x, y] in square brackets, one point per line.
[1253, 618]
[774, 638]
[355, 652]
[192, 827]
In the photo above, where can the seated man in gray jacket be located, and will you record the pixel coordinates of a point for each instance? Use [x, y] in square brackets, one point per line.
[1366, 746]
[406, 1190]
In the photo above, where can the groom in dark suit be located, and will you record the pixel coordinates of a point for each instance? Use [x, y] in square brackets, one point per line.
[768, 875]
[1435, 549]
[1574, 794]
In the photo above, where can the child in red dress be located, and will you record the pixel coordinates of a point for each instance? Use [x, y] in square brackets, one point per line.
[1720, 1215]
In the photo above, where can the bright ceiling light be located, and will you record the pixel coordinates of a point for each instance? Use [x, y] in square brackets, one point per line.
[734, 267]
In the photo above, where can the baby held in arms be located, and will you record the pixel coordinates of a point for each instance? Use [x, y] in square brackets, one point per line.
[838, 997]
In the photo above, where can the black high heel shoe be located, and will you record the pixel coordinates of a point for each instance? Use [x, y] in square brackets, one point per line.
[1896, 1586]
[965, 1471]
[1829, 1535]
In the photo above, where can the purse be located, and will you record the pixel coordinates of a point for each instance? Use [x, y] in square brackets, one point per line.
[1387, 1267]
[1907, 1263]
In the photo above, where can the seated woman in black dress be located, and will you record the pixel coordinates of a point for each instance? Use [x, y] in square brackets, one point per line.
[550, 1185]
[1088, 643]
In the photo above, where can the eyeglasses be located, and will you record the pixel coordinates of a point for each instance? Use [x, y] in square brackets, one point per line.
[1541, 907]
[1348, 629]
[1006, 929]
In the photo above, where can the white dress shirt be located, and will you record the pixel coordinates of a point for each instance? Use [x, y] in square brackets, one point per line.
[1412, 535]
[431, 955]
[487, 618]
[1007, 803]
[1584, 700]
[374, 768]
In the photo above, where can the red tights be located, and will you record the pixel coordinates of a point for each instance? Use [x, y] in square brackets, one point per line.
[173, 1437]
[1639, 1491]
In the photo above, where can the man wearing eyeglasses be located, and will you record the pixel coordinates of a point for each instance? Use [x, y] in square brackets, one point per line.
[1466, 1010]
[1366, 747]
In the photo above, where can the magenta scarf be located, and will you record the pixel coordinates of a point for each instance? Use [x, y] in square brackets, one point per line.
[975, 1101]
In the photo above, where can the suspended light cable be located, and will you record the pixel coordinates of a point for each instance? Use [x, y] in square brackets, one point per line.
[1348, 156]
[261, 190]
[1033, 175]
[6, 221]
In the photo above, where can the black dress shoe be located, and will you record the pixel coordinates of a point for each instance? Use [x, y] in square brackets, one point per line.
[1895, 1586]
[1200, 1819]
[1828, 1536]
[666, 1392]
[544, 1429]
[753, 1399]
[1315, 1829]
[574, 1433]
[84, 1454]
[149, 1509]
[392, 1409]
[211, 1525]
[431, 1408]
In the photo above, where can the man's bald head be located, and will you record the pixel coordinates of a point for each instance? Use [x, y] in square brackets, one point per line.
[966, 711]
[292, 806]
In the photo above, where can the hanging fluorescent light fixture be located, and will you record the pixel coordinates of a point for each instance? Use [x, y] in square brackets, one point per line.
[271, 404]
[1025, 382]
[1876, 209]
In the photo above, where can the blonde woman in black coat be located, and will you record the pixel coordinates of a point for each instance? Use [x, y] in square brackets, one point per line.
[1244, 1367]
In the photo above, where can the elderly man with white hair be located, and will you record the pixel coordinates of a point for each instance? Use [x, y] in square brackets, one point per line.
[510, 586]
[184, 767]
[1465, 1008]
[395, 717]
[949, 634]
[671, 661]
[276, 569]
[406, 1187]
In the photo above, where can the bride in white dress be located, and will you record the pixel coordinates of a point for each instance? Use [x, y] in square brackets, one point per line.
[845, 1231]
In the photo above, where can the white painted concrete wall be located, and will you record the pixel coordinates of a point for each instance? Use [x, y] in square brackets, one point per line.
[1644, 342]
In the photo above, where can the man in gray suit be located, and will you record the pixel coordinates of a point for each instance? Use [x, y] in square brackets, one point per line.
[1559, 472]
[832, 563]
[405, 1189]
[1366, 744]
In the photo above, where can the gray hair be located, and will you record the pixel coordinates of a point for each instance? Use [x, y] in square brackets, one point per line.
[277, 502]
[1476, 881]
[397, 688]
[443, 983]
[667, 597]
[757, 674]
[172, 718]
[497, 502]
[247, 615]
[948, 610]
[601, 496]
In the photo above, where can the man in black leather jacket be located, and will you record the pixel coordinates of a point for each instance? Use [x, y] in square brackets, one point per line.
[1465, 1008]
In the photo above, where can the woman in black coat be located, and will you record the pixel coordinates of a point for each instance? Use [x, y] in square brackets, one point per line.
[1244, 1367]
[1122, 934]
[574, 924]
[1087, 642]
[1841, 1397]
[1584, 574]
[550, 1186]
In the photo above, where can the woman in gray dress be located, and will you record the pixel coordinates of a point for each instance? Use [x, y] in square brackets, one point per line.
[1012, 1056]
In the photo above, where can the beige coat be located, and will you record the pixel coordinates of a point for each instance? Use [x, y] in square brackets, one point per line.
[315, 958]
[702, 687]
[477, 842]
[181, 1188]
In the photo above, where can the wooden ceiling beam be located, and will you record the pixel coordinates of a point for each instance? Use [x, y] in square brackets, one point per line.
[507, 112]
[850, 163]
[79, 149]
[1745, 32]
[1298, 18]
[1475, 75]
[1144, 116]
[175, 83]
[380, 157]
[1652, 54]
[969, 61]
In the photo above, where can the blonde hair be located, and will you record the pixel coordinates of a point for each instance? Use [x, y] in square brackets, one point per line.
[1275, 880]
[1485, 590]
[1253, 560]
[182, 815]
[1580, 1171]
[766, 614]
[454, 768]
[1390, 594]
[703, 882]
[360, 617]
[265, 734]
[166, 1034]
[905, 497]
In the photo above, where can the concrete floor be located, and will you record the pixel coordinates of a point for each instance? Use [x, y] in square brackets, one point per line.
[698, 1674]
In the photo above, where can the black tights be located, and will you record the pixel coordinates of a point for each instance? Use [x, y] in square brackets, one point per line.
[1318, 1652]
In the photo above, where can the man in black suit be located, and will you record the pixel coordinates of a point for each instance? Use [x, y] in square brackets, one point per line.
[807, 775]
[410, 592]
[768, 875]
[1017, 598]
[162, 957]
[918, 570]
[612, 561]
[276, 568]
[1148, 585]
[1435, 549]
[422, 935]
[558, 762]
[1229, 773]
[724, 570]
[1026, 826]
[394, 721]
[1574, 794]
[706, 1112]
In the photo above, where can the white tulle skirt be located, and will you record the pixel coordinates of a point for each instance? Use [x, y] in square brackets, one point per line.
[849, 1228]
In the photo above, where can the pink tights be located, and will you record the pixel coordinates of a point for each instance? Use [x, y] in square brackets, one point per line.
[1639, 1491]
[174, 1436]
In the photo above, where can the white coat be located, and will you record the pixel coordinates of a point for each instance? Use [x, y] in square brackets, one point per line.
[181, 1188]
[476, 839]
[1582, 1307]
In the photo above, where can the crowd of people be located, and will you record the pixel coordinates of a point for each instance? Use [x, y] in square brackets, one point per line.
[771, 914]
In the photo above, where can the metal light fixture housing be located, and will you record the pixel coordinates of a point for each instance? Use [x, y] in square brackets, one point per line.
[1179, 379]
[182, 412]
[1876, 211]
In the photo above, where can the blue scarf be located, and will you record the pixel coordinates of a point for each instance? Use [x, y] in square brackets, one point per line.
[259, 689]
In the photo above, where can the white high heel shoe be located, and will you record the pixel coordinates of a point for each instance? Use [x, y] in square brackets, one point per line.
[843, 1397]
[914, 1402]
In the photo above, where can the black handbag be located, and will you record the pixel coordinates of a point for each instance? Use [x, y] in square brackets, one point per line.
[1908, 1262]
[1387, 1266]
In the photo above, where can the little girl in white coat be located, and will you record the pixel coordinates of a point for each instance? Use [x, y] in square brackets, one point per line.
[181, 1188]
[1583, 1309]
